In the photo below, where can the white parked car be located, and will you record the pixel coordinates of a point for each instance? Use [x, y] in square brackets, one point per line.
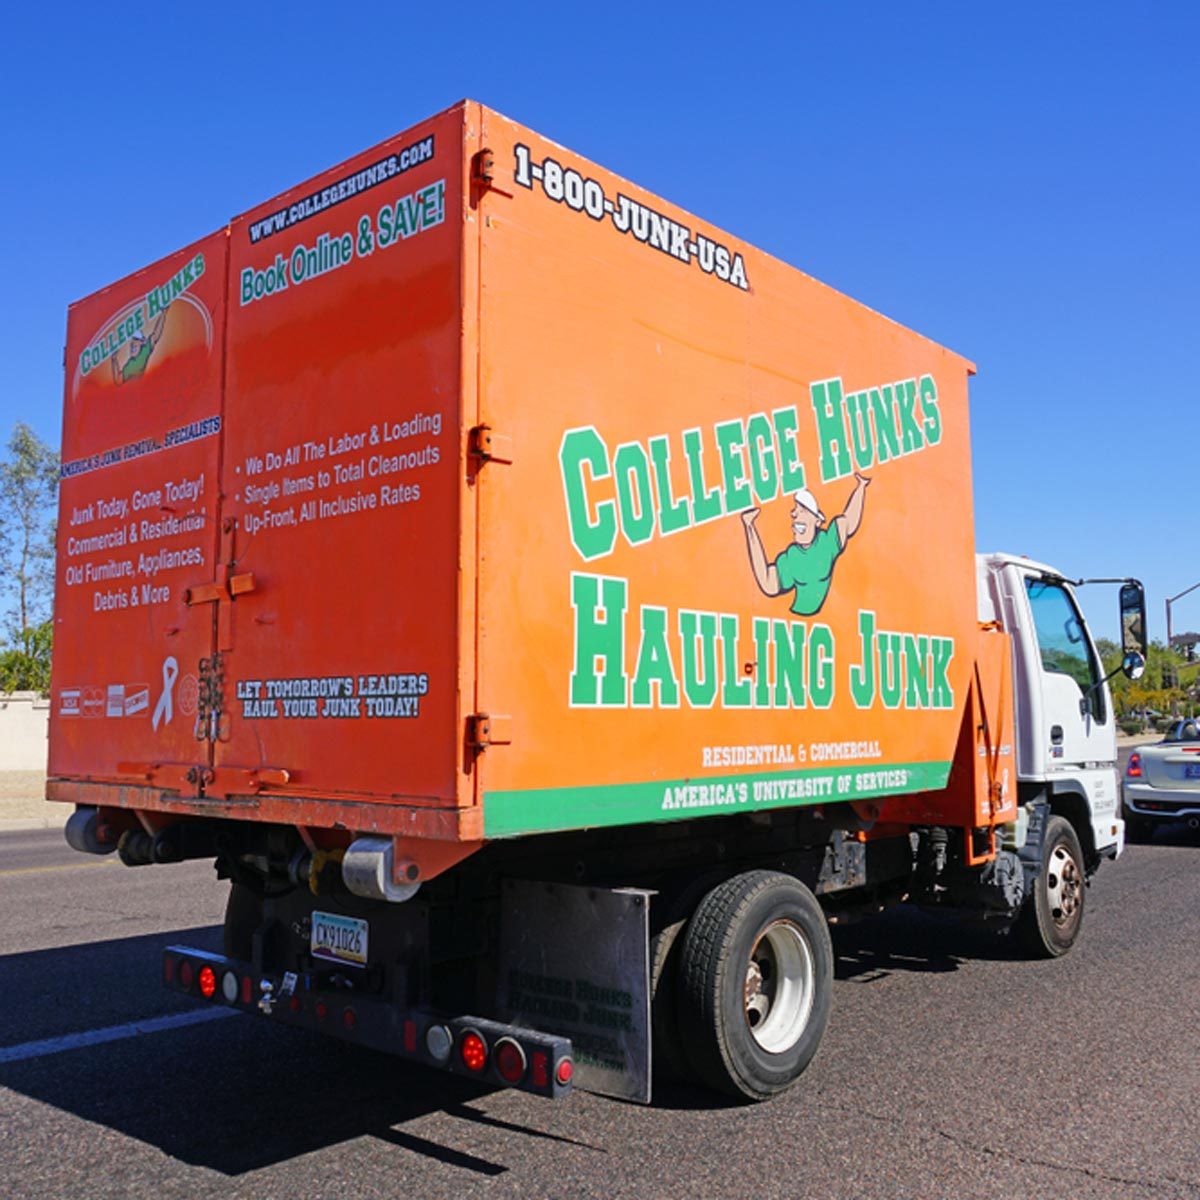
[1162, 781]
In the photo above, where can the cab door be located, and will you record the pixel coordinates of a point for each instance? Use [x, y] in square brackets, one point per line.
[1077, 726]
[1066, 729]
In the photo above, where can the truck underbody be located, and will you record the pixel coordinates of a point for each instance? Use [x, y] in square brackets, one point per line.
[436, 985]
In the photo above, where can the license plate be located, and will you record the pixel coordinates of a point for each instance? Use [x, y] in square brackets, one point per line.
[339, 939]
[1191, 771]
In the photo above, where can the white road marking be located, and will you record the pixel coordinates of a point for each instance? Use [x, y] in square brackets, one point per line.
[114, 1033]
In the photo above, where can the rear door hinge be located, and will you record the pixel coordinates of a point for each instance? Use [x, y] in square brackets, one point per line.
[483, 168]
[486, 444]
[488, 729]
[483, 177]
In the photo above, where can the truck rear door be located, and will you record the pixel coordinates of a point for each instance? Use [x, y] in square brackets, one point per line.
[337, 626]
[138, 516]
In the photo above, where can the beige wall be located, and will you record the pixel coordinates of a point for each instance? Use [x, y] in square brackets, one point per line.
[24, 717]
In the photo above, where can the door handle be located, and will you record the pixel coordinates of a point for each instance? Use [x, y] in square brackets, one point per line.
[1056, 735]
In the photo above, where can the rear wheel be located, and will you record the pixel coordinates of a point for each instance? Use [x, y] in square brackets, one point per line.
[1050, 922]
[755, 984]
[669, 919]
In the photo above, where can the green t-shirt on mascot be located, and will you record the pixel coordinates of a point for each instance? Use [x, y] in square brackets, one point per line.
[809, 570]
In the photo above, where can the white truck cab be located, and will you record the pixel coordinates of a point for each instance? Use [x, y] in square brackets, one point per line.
[1066, 746]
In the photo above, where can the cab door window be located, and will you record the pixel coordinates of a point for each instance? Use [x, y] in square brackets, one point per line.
[1062, 641]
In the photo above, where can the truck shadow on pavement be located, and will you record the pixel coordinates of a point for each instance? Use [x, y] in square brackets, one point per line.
[233, 1095]
[913, 941]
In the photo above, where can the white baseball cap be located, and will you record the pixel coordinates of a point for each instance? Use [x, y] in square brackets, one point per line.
[806, 499]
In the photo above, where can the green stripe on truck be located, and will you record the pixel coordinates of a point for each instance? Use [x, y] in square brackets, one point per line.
[550, 810]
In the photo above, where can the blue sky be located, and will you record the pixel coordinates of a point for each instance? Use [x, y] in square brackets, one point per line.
[1020, 182]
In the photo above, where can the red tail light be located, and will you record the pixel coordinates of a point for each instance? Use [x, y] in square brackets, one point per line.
[565, 1072]
[208, 982]
[473, 1051]
[350, 1019]
[247, 989]
[539, 1071]
[510, 1061]
[410, 1037]
[1134, 769]
[186, 974]
[168, 970]
[322, 1010]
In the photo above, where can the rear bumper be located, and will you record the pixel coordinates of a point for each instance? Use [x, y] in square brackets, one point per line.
[431, 1039]
[269, 805]
[1163, 804]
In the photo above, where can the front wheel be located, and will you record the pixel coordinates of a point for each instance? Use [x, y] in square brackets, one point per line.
[1050, 922]
[755, 984]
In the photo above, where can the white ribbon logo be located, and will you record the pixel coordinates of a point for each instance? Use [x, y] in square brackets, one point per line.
[164, 710]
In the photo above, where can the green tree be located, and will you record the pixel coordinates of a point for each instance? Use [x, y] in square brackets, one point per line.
[1165, 686]
[26, 667]
[28, 488]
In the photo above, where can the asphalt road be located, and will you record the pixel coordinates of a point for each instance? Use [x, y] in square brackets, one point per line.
[951, 1068]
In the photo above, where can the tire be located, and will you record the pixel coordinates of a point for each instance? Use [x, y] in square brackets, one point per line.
[668, 920]
[755, 984]
[1050, 922]
[243, 915]
[668, 1057]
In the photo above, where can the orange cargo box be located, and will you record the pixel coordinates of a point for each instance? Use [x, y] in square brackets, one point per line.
[469, 491]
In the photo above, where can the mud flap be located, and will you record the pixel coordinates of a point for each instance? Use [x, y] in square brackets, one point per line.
[575, 961]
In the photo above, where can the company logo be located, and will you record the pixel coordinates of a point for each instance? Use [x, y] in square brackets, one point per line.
[650, 656]
[133, 339]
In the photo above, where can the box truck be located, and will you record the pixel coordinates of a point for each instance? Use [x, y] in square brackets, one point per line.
[550, 612]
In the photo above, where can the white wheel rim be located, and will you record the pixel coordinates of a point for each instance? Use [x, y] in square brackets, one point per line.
[779, 986]
[1064, 885]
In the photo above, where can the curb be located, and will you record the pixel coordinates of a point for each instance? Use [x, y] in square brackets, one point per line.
[25, 825]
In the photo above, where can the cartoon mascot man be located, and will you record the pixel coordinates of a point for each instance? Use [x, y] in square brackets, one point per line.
[806, 566]
[140, 349]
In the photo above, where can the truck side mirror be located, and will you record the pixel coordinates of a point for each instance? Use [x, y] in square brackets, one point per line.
[1133, 665]
[1133, 622]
